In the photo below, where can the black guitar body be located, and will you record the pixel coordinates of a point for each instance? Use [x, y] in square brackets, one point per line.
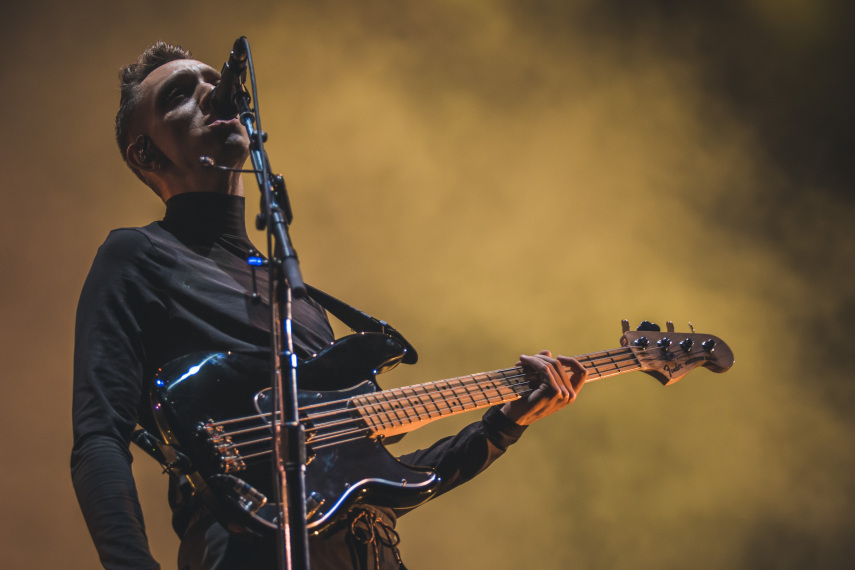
[215, 409]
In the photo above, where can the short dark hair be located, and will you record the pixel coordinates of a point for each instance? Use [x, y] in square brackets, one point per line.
[131, 77]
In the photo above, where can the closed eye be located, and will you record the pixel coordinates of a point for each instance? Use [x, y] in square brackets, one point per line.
[178, 92]
[174, 93]
[177, 89]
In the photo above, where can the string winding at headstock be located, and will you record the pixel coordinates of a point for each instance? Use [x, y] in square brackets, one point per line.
[668, 356]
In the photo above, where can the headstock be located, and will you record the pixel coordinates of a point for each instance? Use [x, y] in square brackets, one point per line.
[668, 356]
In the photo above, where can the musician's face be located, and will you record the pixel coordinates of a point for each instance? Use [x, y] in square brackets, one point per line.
[175, 113]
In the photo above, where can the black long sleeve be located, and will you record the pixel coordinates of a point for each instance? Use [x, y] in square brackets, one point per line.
[108, 372]
[153, 294]
[459, 458]
[172, 288]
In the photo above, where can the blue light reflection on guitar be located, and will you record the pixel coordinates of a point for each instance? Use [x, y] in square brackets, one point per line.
[214, 410]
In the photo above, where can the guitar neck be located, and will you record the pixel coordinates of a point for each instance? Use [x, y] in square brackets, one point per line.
[400, 410]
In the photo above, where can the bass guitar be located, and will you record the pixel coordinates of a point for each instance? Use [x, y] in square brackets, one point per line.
[214, 411]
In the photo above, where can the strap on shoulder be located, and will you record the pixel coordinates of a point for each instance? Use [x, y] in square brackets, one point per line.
[359, 321]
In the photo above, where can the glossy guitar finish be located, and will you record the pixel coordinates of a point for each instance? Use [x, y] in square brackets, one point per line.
[214, 409]
[192, 394]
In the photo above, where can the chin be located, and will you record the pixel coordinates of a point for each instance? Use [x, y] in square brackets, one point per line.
[233, 152]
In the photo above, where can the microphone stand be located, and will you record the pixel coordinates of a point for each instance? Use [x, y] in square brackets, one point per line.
[286, 284]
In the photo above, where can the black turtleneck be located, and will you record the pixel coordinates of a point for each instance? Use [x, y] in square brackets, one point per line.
[205, 215]
[172, 288]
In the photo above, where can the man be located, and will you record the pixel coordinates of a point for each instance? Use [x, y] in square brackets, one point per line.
[181, 285]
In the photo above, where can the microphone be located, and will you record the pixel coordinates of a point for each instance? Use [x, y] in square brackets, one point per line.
[231, 83]
[208, 163]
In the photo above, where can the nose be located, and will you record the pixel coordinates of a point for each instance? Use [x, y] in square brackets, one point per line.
[204, 93]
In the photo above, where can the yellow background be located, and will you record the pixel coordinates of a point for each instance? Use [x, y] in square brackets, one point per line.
[494, 178]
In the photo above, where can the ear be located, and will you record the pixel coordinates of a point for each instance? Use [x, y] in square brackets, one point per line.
[143, 155]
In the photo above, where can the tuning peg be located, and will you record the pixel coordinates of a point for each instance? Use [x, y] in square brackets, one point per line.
[648, 326]
[669, 326]
[624, 324]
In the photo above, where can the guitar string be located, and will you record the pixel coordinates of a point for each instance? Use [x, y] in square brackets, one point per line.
[475, 404]
[344, 411]
[464, 382]
[616, 362]
[584, 359]
[344, 436]
[613, 367]
[334, 437]
[467, 382]
[340, 437]
[415, 400]
[328, 440]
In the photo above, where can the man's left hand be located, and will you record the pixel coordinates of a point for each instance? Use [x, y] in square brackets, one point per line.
[558, 382]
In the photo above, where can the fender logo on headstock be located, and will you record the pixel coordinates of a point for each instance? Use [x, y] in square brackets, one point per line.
[668, 356]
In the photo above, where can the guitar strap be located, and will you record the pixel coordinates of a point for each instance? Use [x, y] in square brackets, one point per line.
[359, 321]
